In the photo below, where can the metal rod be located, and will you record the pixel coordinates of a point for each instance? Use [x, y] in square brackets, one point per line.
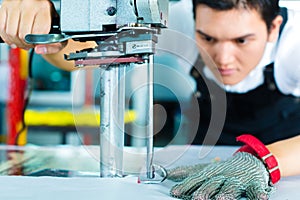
[112, 106]
[119, 113]
[149, 132]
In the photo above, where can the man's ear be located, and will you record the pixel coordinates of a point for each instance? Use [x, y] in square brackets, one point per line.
[274, 29]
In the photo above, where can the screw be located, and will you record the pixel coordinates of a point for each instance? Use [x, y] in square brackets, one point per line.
[111, 11]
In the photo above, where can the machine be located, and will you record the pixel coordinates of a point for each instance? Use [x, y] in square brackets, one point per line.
[125, 32]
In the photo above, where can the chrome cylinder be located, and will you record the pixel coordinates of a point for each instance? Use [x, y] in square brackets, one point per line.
[149, 110]
[112, 107]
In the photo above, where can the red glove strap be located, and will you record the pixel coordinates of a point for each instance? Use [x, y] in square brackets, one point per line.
[257, 148]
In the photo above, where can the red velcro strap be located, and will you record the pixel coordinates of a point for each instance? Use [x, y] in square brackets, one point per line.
[256, 147]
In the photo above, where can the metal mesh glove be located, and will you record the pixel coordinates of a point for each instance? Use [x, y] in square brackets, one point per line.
[180, 173]
[242, 175]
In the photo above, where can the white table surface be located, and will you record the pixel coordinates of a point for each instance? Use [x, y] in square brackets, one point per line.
[55, 188]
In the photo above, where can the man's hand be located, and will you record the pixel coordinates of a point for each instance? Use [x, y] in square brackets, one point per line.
[243, 175]
[21, 17]
[180, 173]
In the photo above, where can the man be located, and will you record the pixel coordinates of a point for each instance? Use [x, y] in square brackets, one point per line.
[240, 44]
[250, 51]
[237, 39]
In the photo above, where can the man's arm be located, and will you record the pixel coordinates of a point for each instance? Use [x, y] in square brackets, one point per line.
[287, 154]
[54, 54]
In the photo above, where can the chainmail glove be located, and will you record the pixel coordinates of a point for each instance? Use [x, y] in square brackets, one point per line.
[242, 175]
[180, 173]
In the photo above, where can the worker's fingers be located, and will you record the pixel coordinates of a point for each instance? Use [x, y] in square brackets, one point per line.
[25, 27]
[49, 48]
[10, 16]
[3, 17]
[43, 18]
[187, 187]
[209, 188]
[231, 189]
[19, 18]
[259, 191]
[12, 27]
[180, 173]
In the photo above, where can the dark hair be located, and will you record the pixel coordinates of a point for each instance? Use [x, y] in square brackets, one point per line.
[268, 9]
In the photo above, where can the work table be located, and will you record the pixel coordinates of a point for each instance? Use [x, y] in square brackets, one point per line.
[18, 161]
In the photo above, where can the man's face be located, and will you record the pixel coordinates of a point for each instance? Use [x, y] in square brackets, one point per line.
[231, 42]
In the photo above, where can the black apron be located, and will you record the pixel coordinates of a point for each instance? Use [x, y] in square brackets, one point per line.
[263, 112]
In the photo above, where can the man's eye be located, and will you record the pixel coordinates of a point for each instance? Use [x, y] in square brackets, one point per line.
[241, 41]
[208, 39]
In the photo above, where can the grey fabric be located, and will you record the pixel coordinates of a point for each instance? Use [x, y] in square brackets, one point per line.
[242, 175]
